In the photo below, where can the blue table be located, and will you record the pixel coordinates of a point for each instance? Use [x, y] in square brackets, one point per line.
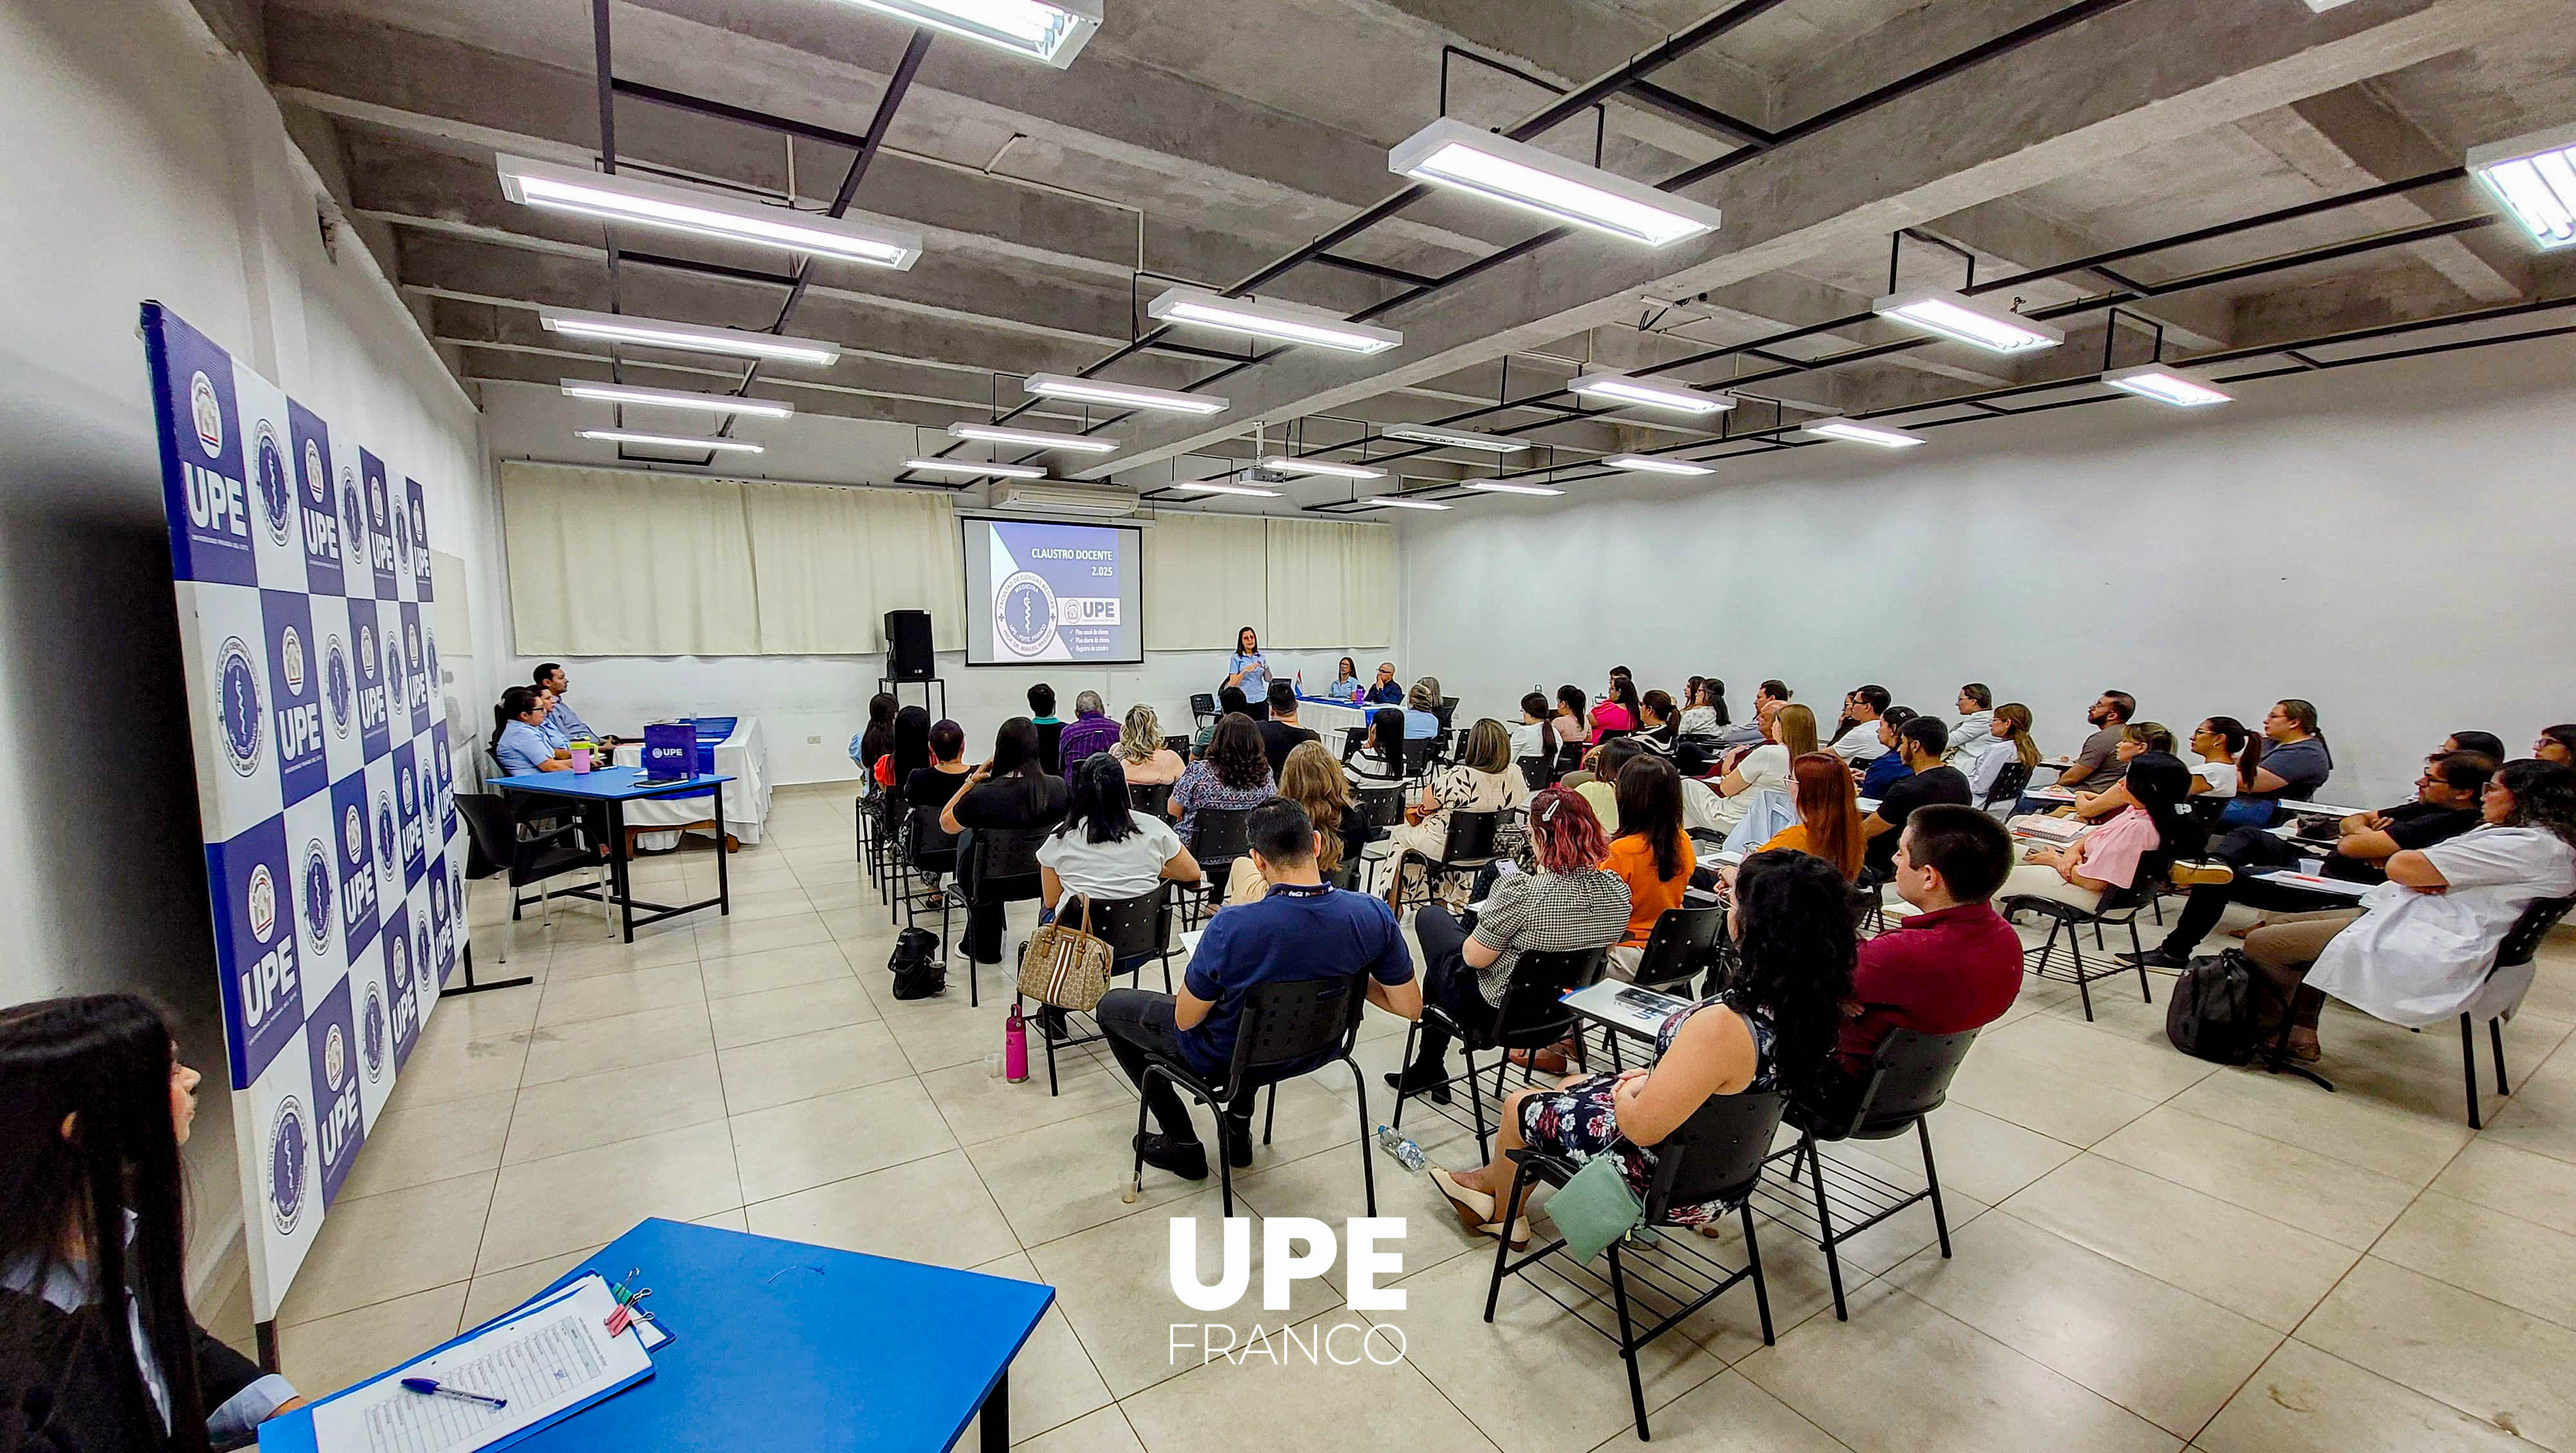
[781, 1345]
[614, 787]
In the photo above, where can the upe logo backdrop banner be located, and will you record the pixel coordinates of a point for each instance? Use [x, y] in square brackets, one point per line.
[334, 855]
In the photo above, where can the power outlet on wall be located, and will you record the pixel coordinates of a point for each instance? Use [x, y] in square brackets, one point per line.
[813, 741]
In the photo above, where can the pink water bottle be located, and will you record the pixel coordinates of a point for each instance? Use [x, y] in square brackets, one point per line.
[1015, 1048]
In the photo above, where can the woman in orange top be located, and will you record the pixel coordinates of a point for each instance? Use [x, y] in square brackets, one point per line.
[1651, 854]
[1828, 824]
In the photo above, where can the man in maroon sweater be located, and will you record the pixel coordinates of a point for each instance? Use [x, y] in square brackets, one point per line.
[1955, 964]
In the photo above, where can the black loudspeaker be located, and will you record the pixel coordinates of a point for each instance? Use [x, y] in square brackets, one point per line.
[907, 635]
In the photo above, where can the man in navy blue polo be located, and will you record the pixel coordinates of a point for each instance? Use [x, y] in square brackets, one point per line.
[1303, 929]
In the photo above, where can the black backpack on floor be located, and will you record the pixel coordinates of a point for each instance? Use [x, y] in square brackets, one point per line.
[2222, 1009]
[918, 973]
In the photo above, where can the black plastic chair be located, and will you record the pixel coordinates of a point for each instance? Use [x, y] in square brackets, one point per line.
[1134, 928]
[1418, 752]
[2118, 906]
[1150, 798]
[1285, 1030]
[1469, 845]
[1532, 1016]
[1202, 707]
[1909, 1078]
[528, 849]
[1001, 867]
[1716, 1156]
[922, 847]
[1679, 950]
[1218, 836]
[2011, 780]
[1533, 771]
[1382, 806]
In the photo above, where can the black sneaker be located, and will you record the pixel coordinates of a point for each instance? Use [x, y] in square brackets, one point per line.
[1238, 1142]
[2155, 958]
[1051, 1023]
[1433, 1087]
[1184, 1158]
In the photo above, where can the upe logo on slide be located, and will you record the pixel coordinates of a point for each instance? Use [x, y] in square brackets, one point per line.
[207, 413]
[237, 689]
[286, 1166]
[1343, 1344]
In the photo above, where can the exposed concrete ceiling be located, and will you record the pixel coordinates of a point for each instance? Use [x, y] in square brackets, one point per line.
[1201, 139]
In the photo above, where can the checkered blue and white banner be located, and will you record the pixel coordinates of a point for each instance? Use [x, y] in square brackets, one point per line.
[334, 853]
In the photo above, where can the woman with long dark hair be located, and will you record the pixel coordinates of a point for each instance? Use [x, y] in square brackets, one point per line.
[518, 742]
[1772, 1027]
[1379, 761]
[1234, 776]
[1573, 718]
[2109, 856]
[877, 738]
[908, 747]
[1247, 670]
[1011, 789]
[1704, 708]
[1617, 711]
[1103, 850]
[2422, 949]
[2229, 751]
[2556, 744]
[1651, 853]
[1347, 685]
[2294, 767]
[1828, 824]
[97, 1348]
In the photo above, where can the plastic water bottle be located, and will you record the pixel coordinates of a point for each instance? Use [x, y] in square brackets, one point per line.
[1015, 1048]
[1400, 1145]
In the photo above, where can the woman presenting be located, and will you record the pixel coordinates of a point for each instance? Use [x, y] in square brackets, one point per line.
[1247, 669]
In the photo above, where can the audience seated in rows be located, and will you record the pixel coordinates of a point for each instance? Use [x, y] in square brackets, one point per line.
[1649, 851]
[1829, 820]
[1422, 710]
[1704, 712]
[1569, 903]
[909, 753]
[2093, 768]
[1856, 735]
[1976, 718]
[1141, 753]
[1091, 730]
[933, 785]
[1050, 728]
[1534, 735]
[1379, 762]
[1230, 701]
[1882, 770]
[1772, 1028]
[1573, 719]
[1619, 708]
[1280, 734]
[1598, 780]
[2108, 857]
[1314, 781]
[877, 737]
[1658, 726]
[1483, 779]
[1791, 730]
[1927, 781]
[2294, 766]
[1011, 789]
[1105, 852]
[2419, 950]
[2447, 803]
[1302, 929]
[1234, 776]
[1769, 697]
[2006, 741]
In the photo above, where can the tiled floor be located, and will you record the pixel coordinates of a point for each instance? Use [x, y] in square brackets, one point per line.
[2151, 1252]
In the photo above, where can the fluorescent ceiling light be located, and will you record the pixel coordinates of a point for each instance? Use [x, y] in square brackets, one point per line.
[976, 467]
[2535, 177]
[688, 337]
[1845, 429]
[1649, 464]
[1034, 438]
[663, 398]
[1285, 322]
[1457, 438]
[1952, 315]
[1052, 31]
[1452, 153]
[1287, 465]
[672, 441]
[1497, 486]
[2165, 386]
[705, 213]
[1626, 390]
[1397, 501]
[1125, 395]
[1218, 486]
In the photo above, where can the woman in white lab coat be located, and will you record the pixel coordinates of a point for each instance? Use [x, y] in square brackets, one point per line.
[2419, 951]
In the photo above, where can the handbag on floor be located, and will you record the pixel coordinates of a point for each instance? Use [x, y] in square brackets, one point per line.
[1066, 966]
[2222, 1008]
[918, 973]
[1595, 1207]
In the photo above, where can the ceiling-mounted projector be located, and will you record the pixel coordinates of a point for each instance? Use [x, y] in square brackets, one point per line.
[1059, 499]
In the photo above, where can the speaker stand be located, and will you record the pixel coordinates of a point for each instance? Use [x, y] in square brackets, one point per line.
[894, 688]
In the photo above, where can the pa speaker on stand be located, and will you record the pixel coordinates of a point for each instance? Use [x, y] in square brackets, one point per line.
[909, 660]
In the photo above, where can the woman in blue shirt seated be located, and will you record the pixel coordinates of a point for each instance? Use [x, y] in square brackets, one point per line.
[1247, 670]
[518, 736]
[1422, 710]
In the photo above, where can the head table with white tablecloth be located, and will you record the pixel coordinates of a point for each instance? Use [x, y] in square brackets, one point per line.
[740, 755]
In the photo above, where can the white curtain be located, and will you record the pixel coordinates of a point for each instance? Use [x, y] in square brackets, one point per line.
[1330, 584]
[614, 563]
[1206, 576]
[827, 564]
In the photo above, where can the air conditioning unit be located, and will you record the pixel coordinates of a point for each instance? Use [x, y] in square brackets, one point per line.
[1059, 499]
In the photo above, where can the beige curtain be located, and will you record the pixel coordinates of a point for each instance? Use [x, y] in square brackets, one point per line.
[827, 564]
[1206, 576]
[614, 563]
[1330, 584]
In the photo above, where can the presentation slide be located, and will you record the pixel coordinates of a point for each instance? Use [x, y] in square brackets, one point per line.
[1038, 591]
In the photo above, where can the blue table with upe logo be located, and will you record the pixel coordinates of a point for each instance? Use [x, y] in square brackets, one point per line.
[615, 787]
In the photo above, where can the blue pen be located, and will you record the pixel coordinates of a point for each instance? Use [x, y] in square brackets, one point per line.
[430, 1386]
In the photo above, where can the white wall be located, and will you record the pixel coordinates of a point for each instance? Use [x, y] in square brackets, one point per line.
[2390, 541]
[143, 162]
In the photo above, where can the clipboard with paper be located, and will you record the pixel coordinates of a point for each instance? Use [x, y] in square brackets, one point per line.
[547, 1360]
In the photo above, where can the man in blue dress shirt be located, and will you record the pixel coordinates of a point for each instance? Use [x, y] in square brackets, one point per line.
[563, 725]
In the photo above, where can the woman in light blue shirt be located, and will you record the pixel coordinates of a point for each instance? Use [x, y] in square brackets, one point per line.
[1247, 669]
[518, 739]
[1422, 710]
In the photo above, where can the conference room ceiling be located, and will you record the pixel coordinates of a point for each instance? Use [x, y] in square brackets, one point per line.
[1200, 140]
